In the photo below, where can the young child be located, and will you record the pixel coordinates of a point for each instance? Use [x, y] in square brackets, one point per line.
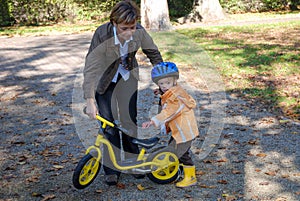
[177, 115]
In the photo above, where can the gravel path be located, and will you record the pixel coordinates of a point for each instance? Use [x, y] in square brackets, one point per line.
[243, 153]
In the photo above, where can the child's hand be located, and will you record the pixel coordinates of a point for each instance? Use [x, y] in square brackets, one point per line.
[157, 91]
[147, 124]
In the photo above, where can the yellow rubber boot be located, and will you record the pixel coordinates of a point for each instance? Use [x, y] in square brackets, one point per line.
[189, 177]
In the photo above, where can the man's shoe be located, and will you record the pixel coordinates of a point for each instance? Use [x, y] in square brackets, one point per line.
[111, 179]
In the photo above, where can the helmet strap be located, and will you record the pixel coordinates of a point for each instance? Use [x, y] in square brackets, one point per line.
[175, 82]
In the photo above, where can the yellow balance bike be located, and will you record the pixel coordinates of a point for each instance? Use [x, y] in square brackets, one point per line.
[159, 163]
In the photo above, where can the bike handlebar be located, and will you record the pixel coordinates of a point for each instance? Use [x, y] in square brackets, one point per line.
[101, 119]
[104, 121]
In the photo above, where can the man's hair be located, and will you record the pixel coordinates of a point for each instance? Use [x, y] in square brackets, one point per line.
[125, 11]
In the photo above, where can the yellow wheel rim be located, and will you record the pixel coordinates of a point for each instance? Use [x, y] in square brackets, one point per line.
[89, 171]
[169, 165]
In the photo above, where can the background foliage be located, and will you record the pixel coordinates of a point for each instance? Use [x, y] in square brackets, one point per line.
[41, 12]
[242, 6]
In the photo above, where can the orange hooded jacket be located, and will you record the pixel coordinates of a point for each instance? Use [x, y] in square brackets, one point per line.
[178, 115]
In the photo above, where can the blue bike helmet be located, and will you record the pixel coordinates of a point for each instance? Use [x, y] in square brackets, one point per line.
[164, 69]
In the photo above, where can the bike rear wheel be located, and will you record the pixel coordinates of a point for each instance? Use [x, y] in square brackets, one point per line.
[86, 171]
[167, 171]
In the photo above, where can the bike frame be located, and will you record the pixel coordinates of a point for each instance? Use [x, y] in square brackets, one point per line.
[102, 140]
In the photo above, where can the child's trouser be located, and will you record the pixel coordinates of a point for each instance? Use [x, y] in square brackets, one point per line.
[182, 151]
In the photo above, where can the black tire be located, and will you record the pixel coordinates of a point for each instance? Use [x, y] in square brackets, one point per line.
[86, 171]
[169, 170]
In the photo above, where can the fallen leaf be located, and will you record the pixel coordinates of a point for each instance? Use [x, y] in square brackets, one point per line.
[205, 186]
[261, 155]
[225, 195]
[200, 172]
[253, 142]
[187, 196]
[271, 173]
[140, 187]
[99, 191]
[21, 163]
[120, 186]
[285, 176]
[34, 179]
[264, 183]
[58, 166]
[236, 172]
[284, 121]
[10, 168]
[223, 160]
[281, 199]
[222, 181]
[230, 198]
[35, 194]
[48, 197]
[257, 170]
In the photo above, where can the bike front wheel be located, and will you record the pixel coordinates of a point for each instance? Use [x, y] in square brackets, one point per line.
[86, 171]
[167, 171]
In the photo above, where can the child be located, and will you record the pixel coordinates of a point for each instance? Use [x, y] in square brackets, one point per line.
[177, 115]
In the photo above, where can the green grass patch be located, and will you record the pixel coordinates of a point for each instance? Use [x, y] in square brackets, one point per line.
[258, 61]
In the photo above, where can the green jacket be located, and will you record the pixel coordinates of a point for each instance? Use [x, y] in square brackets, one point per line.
[103, 58]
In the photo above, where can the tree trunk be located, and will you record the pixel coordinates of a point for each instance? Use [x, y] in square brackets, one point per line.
[155, 15]
[4, 16]
[203, 11]
[294, 5]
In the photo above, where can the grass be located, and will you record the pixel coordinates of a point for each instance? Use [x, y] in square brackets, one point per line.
[61, 28]
[259, 62]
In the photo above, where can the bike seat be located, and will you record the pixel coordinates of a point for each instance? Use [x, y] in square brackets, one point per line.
[147, 143]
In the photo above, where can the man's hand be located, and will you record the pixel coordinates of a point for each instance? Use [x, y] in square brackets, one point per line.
[91, 109]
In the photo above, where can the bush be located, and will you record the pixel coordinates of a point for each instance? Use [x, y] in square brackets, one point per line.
[179, 8]
[6, 18]
[242, 6]
[36, 12]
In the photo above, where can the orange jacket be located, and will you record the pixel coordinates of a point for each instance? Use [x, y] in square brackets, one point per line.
[177, 114]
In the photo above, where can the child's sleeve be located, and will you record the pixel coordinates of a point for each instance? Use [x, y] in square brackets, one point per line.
[171, 111]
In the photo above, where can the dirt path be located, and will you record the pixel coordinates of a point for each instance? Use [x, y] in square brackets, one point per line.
[256, 158]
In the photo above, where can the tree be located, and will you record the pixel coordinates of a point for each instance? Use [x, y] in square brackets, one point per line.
[204, 10]
[155, 15]
[294, 4]
[5, 14]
